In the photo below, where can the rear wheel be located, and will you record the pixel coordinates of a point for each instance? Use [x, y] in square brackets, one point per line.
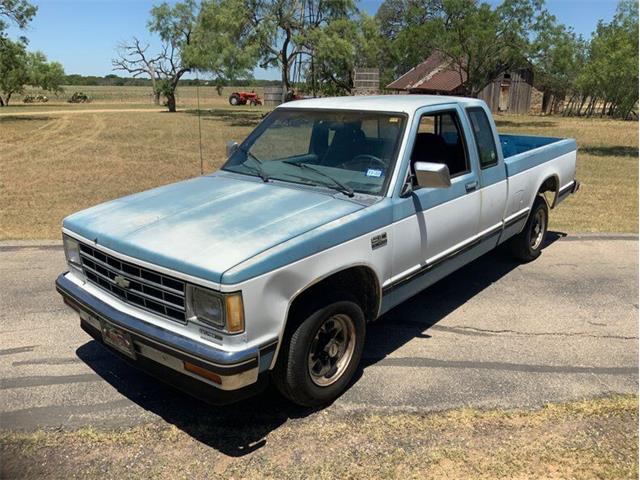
[320, 355]
[527, 245]
[234, 99]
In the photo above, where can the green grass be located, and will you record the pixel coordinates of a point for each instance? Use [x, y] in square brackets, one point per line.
[582, 440]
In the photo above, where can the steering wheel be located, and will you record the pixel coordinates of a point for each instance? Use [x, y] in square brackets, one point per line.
[364, 160]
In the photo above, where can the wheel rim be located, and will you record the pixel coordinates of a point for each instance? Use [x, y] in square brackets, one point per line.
[537, 229]
[331, 350]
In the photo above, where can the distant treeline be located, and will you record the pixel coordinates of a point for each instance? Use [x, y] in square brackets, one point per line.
[116, 80]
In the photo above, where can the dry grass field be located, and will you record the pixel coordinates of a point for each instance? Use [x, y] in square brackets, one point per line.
[130, 96]
[58, 158]
[579, 440]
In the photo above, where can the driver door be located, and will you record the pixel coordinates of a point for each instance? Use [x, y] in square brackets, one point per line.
[433, 224]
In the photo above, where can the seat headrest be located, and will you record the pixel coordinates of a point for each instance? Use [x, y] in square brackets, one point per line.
[429, 147]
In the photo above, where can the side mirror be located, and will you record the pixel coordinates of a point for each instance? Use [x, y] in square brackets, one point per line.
[432, 175]
[232, 146]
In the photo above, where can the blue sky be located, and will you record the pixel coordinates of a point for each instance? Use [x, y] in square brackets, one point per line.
[83, 34]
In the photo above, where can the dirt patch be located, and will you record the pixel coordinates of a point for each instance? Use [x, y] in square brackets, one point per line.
[587, 439]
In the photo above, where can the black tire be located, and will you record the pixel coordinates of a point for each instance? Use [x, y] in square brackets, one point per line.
[234, 99]
[292, 374]
[527, 245]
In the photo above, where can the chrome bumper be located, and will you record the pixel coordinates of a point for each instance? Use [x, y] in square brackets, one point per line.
[235, 370]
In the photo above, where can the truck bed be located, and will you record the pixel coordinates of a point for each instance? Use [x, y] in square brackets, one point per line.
[522, 152]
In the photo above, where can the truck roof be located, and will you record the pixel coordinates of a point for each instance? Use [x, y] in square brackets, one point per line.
[385, 103]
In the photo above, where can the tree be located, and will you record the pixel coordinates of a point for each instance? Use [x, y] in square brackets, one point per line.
[13, 65]
[557, 57]
[479, 42]
[174, 24]
[341, 46]
[223, 43]
[19, 12]
[211, 38]
[20, 68]
[46, 75]
[282, 29]
[610, 76]
[407, 39]
[134, 59]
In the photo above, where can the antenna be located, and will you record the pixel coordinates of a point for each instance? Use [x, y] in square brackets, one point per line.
[199, 124]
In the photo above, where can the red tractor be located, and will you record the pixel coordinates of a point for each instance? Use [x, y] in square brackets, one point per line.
[242, 98]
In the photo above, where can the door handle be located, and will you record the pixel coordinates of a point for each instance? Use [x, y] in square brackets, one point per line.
[471, 186]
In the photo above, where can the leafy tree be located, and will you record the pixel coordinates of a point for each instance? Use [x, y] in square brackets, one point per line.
[19, 12]
[481, 42]
[283, 29]
[210, 37]
[478, 41]
[174, 24]
[341, 46]
[223, 43]
[44, 74]
[557, 57]
[20, 68]
[407, 39]
[13, 65]
[610, 76]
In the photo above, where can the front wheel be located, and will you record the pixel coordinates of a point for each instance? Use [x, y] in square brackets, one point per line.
[527, 245]
[321, 354]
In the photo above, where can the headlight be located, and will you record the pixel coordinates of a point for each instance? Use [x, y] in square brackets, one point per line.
[72, 251]
[222, 311]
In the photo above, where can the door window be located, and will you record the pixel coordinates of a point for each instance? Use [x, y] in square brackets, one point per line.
[439, 140]
[483, 134]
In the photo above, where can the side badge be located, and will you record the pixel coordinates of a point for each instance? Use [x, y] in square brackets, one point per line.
[379, 240]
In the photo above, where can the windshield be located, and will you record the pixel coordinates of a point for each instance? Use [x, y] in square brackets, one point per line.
[346, 151]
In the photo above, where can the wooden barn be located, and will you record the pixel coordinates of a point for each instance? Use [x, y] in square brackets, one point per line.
[509, 93]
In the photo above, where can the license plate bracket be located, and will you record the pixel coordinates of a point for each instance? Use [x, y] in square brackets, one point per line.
[118, 339]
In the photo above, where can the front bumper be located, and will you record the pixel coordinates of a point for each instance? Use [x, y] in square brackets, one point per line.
[158, 350]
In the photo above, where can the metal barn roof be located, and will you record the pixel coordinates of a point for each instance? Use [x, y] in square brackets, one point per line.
[434, 74]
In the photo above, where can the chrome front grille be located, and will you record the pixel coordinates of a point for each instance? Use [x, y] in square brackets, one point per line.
[144, 288]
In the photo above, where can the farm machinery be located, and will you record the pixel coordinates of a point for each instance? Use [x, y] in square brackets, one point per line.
[242, 98]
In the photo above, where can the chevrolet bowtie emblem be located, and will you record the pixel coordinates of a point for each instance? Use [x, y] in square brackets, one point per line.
[121, 281]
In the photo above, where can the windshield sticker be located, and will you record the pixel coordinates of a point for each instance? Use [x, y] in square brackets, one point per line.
[372, 172]
[394, 119]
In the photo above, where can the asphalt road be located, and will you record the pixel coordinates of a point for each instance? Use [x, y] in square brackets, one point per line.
[494, 334]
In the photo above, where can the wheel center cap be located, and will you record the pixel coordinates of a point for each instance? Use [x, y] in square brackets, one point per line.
[332, 349]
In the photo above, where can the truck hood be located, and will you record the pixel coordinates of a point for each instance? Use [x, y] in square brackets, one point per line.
[204, 226]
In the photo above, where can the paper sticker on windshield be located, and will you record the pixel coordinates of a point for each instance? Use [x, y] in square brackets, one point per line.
[372, 172]
[394, 119]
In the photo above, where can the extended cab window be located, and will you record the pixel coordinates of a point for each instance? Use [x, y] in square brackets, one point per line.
[440, 140]
[483, 133]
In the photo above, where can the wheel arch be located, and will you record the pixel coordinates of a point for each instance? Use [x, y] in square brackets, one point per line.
[360, 280]
[550, 184]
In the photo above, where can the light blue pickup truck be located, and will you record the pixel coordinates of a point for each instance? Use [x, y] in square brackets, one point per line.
[330, 213]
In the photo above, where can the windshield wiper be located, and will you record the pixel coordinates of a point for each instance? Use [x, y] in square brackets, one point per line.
[258, 168]
[337, 185]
